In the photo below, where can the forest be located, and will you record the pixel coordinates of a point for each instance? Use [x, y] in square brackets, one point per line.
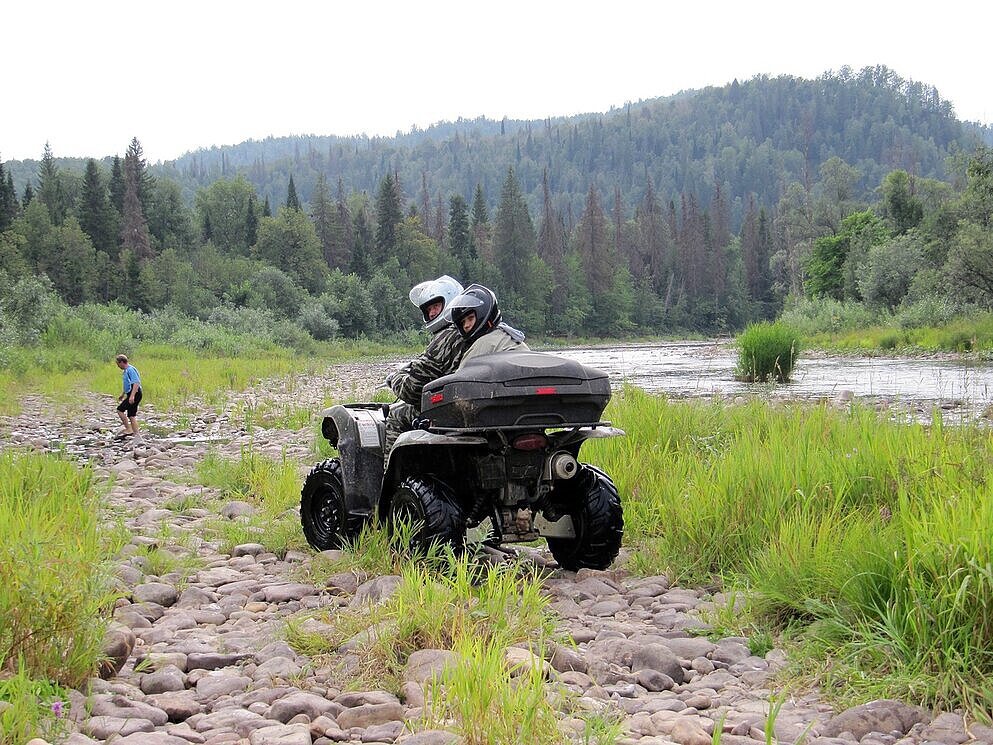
[695, 213]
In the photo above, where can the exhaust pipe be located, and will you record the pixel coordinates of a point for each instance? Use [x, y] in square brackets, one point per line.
[563, 466]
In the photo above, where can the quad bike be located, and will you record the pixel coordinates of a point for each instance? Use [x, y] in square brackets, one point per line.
[496, 448]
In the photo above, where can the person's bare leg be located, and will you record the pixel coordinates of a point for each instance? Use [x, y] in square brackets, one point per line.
[134, 425]
[124, 421]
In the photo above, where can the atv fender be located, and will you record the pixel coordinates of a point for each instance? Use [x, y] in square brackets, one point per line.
[358, 431]
[414, 452]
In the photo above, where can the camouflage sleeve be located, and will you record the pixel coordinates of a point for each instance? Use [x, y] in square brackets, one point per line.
[442, 356]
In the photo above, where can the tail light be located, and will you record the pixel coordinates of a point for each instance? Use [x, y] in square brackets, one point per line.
[533, 441]
[437, 398]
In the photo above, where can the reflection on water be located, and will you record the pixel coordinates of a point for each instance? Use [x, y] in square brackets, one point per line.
[707, 368]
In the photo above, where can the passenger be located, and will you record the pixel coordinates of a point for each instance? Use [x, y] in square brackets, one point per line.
[441, 357]
[476, 315]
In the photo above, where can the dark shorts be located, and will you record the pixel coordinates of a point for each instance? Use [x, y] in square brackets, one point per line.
[131, 408]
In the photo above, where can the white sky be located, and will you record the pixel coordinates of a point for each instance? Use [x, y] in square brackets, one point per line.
[179, 75]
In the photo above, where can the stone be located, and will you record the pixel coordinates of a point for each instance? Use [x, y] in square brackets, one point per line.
[168, 679]
[883, 715]
[425, 664]
[237, 508]
[118, 643]
[368, 715]
[220, 683]
[178, 706]
[563, 659]
[151, 738]
[277, 668]
[104, 727]
[375, 591]
[248, 549]
[431, 737]
[213, 660]
[118, 705]
[241, 721]
[301, 702]
[657, 657]
[522, 661]
[281, 734]
[286, 592]
[654, 681]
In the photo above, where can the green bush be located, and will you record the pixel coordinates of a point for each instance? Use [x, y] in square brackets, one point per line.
[55, 588]
[767, 351]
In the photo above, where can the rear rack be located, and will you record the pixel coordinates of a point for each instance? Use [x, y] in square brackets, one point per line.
[518, 427]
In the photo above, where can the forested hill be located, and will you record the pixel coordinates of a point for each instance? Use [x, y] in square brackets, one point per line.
[751, 137]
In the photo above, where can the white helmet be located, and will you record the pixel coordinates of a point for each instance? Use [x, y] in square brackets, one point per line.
[444, 288]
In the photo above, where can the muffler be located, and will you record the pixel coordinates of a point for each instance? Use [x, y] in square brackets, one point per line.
[563, 466]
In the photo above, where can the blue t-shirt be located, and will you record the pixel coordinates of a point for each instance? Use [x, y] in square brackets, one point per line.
[130, 378]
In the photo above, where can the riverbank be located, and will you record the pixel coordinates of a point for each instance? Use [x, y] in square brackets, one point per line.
[211, 663]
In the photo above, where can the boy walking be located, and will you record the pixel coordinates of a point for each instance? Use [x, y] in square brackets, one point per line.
[127, 409]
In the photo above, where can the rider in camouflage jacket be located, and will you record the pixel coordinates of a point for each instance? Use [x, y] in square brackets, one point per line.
[441, 357]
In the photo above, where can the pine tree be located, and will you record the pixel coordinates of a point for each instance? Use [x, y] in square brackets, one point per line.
[96, 216]
[266, 209]
[135, 239]
[252, 221]
[389, 215]
[343, 234]
[27, 197]
[459, 236]
[8, 199]
[50, 188]
[362, 249]
[292, 201]
[480, 225]
[144, 183]
[598, 259]
[117, 185]
[513, 239]
[322, 215]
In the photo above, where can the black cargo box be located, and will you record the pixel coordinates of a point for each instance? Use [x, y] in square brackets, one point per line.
[509, 389]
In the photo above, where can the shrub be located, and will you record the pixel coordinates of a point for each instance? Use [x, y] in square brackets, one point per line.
[54, 577]
[767, 351]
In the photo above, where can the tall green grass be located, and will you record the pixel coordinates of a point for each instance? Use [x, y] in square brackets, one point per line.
[767, 351]
[475, 611]
[272, 486]
[55, 583]
[878, 533]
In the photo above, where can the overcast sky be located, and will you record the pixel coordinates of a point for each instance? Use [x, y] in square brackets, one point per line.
[180, 75]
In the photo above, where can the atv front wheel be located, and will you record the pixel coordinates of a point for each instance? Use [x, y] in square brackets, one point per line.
[322, 507]
[591, 499]
[427, 507]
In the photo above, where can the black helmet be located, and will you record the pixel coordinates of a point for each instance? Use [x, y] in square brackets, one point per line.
[481, 301]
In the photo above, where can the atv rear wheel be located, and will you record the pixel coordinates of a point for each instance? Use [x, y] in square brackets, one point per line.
[322, 507]
[428, 507]
[591, 499]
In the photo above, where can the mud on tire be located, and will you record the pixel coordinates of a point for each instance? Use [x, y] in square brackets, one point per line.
[322, 507]
[427, 505]
[591, 499]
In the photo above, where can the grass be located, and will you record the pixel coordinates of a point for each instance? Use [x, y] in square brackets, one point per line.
[873, 536]
[767, 351]
[31, 708]
[477, 612]
[55, 586]
[272, 487]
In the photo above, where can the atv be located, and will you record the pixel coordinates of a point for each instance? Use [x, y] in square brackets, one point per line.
[495, 451]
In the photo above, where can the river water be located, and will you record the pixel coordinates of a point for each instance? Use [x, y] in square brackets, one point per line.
[962, 390]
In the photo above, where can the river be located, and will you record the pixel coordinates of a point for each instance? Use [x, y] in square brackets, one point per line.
[961, 389]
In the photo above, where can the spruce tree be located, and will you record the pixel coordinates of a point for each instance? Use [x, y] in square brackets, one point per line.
[252, 221]
[117, 185]
[135, 239]
[292, 201]
[322, 215]
[389, 215]
[96, 216]
[459, 236]
[8, 199]
[144, 183]
[50, 188]
[513, 238]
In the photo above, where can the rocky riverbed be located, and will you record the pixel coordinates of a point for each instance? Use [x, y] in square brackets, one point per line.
[202, 659]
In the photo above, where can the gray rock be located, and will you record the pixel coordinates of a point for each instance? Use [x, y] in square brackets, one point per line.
[151, 738]
[368, 715]
[286, 592]
[654, 681]
[213, 660]
[103, 727]
[425, 664]
[242, 721]
[375, 591]
[884, 715]
[358, 698]
[281, 734]
[565, 659]
[657, 657]
[276, 668]
[117, 646]
[387, 732]
[237, 508]
[168, 679]
[248, 549]
[302, 702]
[275, 649]
[178, 706]
[194, 597]
[219, 683]
[117, 705]
[431, 737]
